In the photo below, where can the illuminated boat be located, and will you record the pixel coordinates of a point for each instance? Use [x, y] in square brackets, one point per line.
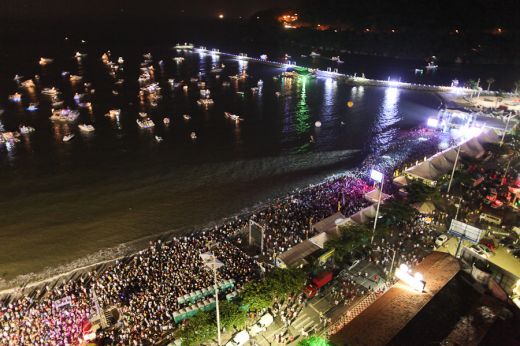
[159, 139]
[184, 46]
[113, 113]
[45, 61]
[64, 115]
[68, 137]
[186, 116]
[32, 107]
[205, 102]
[166, 121]
[193, 136]
[145, 123]
[16, 97]
[232, 116]
[27, 84]
[314, 54]
[86, 128]
[26, 129]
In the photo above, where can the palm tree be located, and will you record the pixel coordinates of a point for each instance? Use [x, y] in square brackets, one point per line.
[517, 85]
[490, 81]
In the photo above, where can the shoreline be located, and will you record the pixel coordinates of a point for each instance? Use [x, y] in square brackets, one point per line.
[27, 283]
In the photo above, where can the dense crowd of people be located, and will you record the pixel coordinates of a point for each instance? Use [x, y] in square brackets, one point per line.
[144, 287]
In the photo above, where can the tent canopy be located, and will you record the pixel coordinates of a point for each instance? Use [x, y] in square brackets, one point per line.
[373, 196]
[328, 224]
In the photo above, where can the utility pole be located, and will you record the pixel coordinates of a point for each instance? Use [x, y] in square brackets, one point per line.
[454, 167]
[377, 210]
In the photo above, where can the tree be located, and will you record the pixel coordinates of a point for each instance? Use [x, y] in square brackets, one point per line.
[257, 295]
[517, 85]
[418, 192]
[199, 328]
[314, 340]
[232, 316]
[352, 237]
[396, 212]
[490, 81]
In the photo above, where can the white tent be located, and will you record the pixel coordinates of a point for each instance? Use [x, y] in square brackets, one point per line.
[373, 195]
[364, 215]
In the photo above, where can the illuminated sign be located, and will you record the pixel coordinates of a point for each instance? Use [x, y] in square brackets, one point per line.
[376, 175]
[465, 231]
[432, 122]
[415, 281]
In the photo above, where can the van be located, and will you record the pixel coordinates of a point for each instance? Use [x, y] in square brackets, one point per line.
[490, 218]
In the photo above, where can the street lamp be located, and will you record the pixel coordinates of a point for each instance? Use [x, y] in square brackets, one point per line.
[378, 177]
[505, 129]
[391, 265]
[211, 261]
[454, 167]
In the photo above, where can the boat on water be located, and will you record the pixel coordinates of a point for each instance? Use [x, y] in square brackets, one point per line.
[205, 92]
[26, 129]
[260, 83]
[9, 137]
[184, 46]
[17, 78]
[113, 113]
[232, 116]
[226, 84]
[314, 54]
[86, 128]
[290, 74]
[241, 93]
[216, 70]
[28, 84]
[68, 137]
[337, 59]
[159, 139]
[64, 115]
[16, 97]
[79, 55]
[75, 78]
[57, 104]
[50, 91]
[32, 107]
[45, 61]
[193, 136]
[166, 121]
[431, 66]
[205, 102]
[185, 88]
[186, 116]
[254, 90]
[120, 60]
[145, 123]
[178, 59]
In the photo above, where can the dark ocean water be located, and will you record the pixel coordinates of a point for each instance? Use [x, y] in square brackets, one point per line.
[62, 201]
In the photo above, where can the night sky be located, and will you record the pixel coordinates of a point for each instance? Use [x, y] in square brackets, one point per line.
[47, 9]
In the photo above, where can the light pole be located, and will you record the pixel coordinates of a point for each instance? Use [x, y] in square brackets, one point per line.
[505, 129]
[377, 176]
[211, 261]
[391, 265]
[454, 167]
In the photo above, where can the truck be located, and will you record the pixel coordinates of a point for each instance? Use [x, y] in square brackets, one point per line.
[317, 283]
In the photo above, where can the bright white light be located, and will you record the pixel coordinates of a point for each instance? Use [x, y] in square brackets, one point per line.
[393, 83]
[376, 175]
[415, 282]
[433, 122]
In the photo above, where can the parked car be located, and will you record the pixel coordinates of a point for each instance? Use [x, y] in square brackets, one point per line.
[479, 250]
[264, 322]
[240, 339]
[440, 240]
